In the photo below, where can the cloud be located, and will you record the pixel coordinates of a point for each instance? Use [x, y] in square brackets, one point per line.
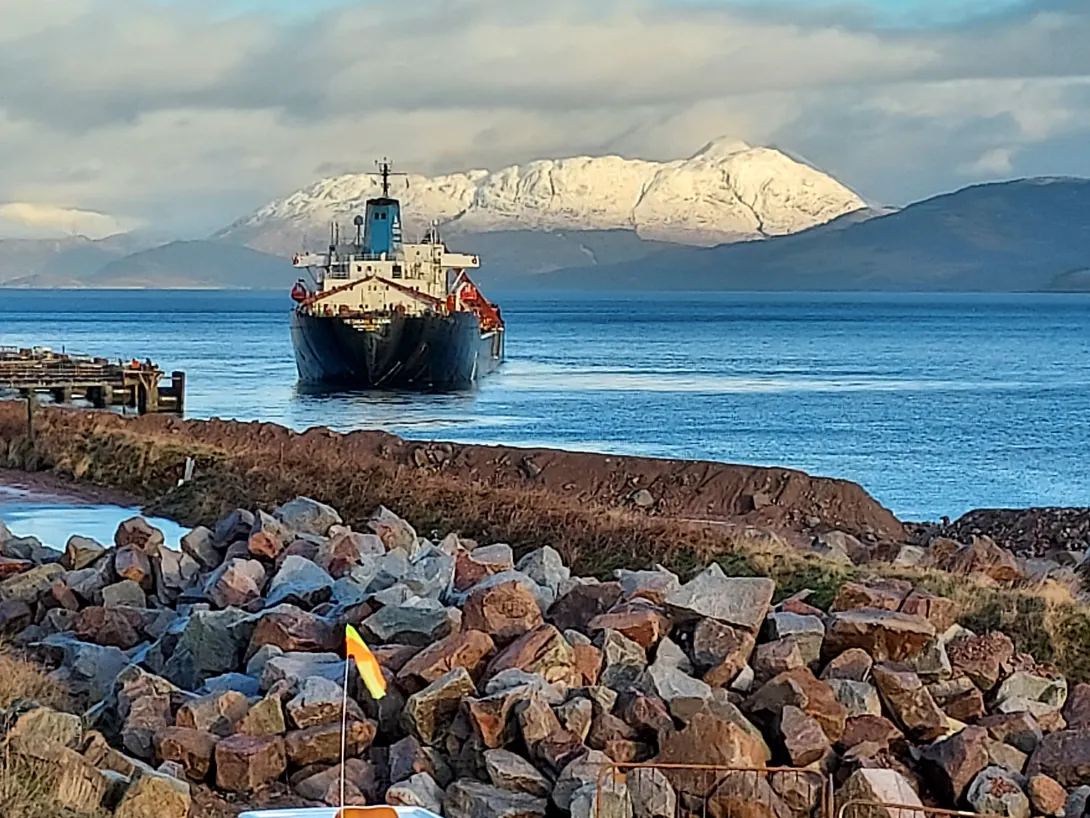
[187, 117]
[996, 162]
[28, 219]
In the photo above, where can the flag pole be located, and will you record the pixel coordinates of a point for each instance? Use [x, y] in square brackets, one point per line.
[344, 728]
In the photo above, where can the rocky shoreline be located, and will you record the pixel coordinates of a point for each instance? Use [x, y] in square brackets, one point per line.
[209, 678]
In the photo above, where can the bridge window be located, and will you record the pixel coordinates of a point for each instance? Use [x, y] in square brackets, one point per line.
[397, 271]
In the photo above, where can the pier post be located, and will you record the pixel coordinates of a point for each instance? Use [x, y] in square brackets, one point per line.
[30, 401]
[177, 386]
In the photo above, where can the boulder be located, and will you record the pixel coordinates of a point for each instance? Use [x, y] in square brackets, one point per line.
[86, 669]
[981, 658]
[1046, 796]
[654, 586]
[505, 612]
[739, 601]
[492, 717]
[211, 643]
[471, 567]
[81, 552]
[1064, 756]
[639, 621]
[29, 585]
[545, 567]
[420, 790]
[125, 593]
[472, 799]
[77, 786]
[801, 689]
[859, 698]
[909, 702]
[876, 787]
[940, 611]
[200, 546]
[419, 622]
[217, 713]
[268, 537]
[138, 533]
[291, 629]
[295, 668]
[542, 651]
[803, 737]
[651, 794]
[876, 730]
[236, 583]
[192, 749]
[875, 594]
[953, 763]
[321, 744]
[134, 564]
[996, 791]
[346, 552]
[245, 764]
[773, 658]
[884, 635]
[320, 701]
[266, 718]
[509, 771]
[300, 582]
[584, 771]
[174, 573]
[392, 530]
[807, 631]
[711, 740]
[720, 651]
[582, 603]
[983, 556]
[306, 516]
[623, 661]
[41, 731]
[430, 575]
[15, 615]
[357, 773]
[1031, 687]
[468, 649]
[1017, 729]
[430, 712]
[155, 796]
[1076, 710]
[119, 627]
[233, 527]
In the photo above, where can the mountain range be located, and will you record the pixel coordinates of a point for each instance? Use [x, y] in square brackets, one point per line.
[1029, 234]
[731, 216]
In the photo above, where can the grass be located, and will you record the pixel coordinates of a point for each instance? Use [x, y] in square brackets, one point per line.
[26, 785]
[260, 466]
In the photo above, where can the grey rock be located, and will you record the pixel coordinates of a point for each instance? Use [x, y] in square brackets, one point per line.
[739, 601]
[82, 552]
[300, 582]
[651, 794]
[623, 661]
[125, 593]
[654, 585]
[388, 570]
[231, 682]
[576, 716]
[419, 790]
[609, 799]
[307, 516]
[320, 701]
[87, 584]
[256, 666]
[1077, 801]
[672, 685]
[514, 678]
[211, 643]
[235, 526]
[200, 545]
[545, 567]
[419, 622]
[808, 632]
[582, 772]
[466, 798]
[910, 556]
[430, 575]
[1022, 685]
[29, 585]
[175, 571]
[861, 698]
[31, 550]
[295, 668]
[394, 531]
[932, 663]
[668, 654]
[509, 771]
[429, 713]
[998, 791]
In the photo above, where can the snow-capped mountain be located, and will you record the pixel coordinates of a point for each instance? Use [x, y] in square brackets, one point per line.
[728, 191]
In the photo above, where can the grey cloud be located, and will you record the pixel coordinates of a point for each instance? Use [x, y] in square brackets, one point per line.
[125, 105]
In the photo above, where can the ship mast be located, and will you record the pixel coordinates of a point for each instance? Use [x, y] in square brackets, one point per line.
[386, 170]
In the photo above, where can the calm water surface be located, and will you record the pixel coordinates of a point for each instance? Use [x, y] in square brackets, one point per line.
[935, 403]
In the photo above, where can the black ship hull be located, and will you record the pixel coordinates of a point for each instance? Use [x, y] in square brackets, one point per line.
[430, 352]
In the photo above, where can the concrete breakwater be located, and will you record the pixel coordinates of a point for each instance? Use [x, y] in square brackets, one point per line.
[206, 679]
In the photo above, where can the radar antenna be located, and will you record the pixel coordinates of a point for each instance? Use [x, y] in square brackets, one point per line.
[385, 169]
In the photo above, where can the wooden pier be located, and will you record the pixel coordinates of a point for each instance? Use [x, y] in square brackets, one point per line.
[104, 384]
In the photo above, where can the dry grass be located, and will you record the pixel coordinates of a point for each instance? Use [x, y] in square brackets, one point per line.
[594, 540]
[21, 679]
[26, 786]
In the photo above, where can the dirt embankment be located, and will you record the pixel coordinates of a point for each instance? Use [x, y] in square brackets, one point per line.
[528, 496]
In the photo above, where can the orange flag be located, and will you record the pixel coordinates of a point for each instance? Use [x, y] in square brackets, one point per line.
[366, 663]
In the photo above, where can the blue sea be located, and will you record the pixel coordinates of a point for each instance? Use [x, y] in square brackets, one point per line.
[936, 404]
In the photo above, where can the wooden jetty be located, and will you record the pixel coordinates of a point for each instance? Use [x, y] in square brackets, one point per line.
[102, 383]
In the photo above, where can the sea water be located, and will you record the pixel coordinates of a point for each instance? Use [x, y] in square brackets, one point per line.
[936, 404]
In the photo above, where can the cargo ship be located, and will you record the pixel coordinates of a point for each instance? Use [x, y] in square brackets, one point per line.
[378, 313]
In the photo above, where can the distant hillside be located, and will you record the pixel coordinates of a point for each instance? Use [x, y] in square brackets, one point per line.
[196, 264]
[1010, 236]
[1073, 281]
[59, 260]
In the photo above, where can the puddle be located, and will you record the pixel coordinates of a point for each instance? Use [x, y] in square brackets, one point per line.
[53, 518]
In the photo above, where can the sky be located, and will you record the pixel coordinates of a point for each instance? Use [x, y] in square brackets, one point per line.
[181, 116]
